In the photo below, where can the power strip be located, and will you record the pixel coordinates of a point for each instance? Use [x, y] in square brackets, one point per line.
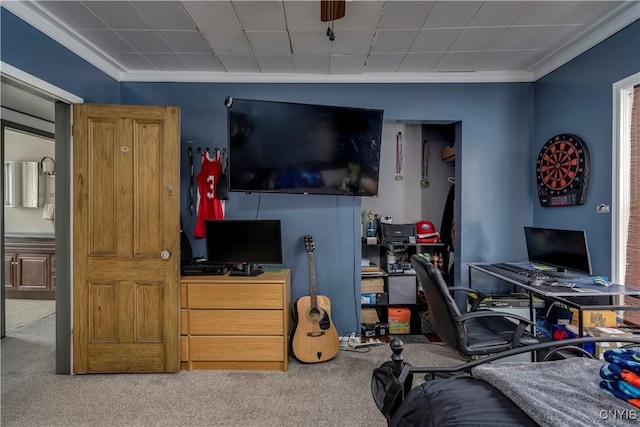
[353, 341]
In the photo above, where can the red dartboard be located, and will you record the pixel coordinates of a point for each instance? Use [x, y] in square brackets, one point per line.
[562, 171]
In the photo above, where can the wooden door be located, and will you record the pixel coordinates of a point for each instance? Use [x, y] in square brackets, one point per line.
[125, 239]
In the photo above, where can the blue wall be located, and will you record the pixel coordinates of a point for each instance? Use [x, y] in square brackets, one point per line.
[493, 191]
[494, 152]
[577, 98]
[29, 50]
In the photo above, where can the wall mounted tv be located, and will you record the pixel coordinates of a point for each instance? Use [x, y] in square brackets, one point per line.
[283, 147]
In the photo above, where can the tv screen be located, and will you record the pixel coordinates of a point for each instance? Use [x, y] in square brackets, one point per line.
[246, 242]
[284, 147]
[563, 249]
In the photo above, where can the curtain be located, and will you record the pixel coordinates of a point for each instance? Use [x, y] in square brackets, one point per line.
[632, 275]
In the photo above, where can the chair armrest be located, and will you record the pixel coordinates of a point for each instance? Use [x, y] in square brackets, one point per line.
[480, 295]
[490, 313]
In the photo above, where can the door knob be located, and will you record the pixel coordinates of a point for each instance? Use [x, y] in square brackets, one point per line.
[165, 254]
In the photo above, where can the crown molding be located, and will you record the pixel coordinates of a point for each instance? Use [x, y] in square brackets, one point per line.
[48, 24]
[440, 77]
[615, 21]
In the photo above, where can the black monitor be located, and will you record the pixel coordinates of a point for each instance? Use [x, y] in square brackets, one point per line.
[246, 242]
[566, 250]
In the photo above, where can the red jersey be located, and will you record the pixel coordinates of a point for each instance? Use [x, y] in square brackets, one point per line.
[209, 206]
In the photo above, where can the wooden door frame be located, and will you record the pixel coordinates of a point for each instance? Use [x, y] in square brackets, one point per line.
[63, 189]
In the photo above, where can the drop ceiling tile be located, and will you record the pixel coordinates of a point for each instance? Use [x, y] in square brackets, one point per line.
[239, 63]
[269, 42]
[420, 62]
[538, 37]
[393, 41]
[477, 38]
[565, 12]
[166, 61]
[359, 16]
[508, 60]
[312, 63]
[132, 61]
[164, 15]
[457, 61]
[75, 14]
[260, 15]
[304, 16]
[434, 40]
[498, 13]
[213, 16]
[404, 15]
[352, 42]
[202, 62]
[229, 43]
[119, 15]
[145, 41]
[451, 14]
[384, 62]
[275, 63]
[107, 40]
[350, 64]
[185, 41]
[307, 43]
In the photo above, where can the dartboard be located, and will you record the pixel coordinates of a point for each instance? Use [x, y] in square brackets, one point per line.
[562, 171]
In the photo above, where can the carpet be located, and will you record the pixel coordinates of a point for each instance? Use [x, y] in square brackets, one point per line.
[332, 393]
[411, 339]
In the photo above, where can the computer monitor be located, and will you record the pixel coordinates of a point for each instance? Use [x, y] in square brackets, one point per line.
[566, 250]
[246, 242]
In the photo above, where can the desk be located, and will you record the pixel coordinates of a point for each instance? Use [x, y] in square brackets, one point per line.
[584, 288]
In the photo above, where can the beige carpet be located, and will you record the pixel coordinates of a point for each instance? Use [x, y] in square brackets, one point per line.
[333, 393]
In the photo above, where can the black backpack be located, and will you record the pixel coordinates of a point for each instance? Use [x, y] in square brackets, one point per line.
[388, 390]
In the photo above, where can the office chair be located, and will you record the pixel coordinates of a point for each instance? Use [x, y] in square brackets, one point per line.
[476, 332]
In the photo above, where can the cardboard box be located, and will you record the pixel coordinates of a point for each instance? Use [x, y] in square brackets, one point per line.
[370, 315]
[602, 347]
[591, 318]
[373, 285]
[600, 331]
[399, 320]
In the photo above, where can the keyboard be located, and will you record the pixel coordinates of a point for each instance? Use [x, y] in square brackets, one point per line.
[522, 275]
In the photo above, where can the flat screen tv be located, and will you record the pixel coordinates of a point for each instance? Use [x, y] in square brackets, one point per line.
[246, 242]
[284, 147]
[566, 250]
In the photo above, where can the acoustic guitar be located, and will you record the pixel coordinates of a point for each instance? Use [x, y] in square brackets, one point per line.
[314, 338]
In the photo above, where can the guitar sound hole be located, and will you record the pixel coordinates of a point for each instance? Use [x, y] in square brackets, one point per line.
[315, 315]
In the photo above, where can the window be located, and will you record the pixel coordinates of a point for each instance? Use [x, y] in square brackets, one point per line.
[626, 183]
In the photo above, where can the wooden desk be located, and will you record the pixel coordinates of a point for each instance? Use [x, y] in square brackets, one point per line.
[235, 322]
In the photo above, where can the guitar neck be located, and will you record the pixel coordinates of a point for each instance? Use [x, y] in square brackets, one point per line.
[312, 281]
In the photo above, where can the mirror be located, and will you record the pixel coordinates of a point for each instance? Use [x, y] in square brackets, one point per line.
[23, 185]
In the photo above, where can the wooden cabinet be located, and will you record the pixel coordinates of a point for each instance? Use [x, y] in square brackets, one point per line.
[29, 268]
[231, 322]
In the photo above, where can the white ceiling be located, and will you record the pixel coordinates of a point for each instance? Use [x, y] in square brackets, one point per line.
[273, 40]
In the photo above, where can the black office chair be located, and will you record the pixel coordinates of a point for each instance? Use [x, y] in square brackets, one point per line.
[476, 332]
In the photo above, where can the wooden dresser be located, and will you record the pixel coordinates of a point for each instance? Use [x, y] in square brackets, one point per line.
[235, 322]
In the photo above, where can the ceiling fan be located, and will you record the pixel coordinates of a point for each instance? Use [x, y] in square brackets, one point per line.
[331, 10]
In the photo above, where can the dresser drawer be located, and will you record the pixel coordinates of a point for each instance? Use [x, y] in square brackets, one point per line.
[236, 322]
[235, 295]
[242, 349]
